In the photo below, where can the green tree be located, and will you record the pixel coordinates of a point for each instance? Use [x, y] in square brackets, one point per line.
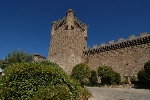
[1, 61]
[108, 75]
[39, 81]
[117, 78]
[80, 72]
[93, 78]
[144, 75]
[16, 57]
[2, 64]
[147, 67]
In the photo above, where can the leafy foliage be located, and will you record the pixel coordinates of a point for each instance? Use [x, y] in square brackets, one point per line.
[104, 71]
[80, 72]
[57, 92]
[144, 75]
[117, 78]
[3, 64]
[1, 61]
[93, 78]
[108, 75]
[60, 93]
[147, 67]
[16, 57]
[143, 79]
[39, 81]
[133, 79]
[49, 63]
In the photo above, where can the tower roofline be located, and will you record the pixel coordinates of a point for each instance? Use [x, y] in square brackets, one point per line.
[70, 10]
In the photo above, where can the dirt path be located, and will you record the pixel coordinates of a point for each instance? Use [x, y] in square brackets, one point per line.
[100, 93]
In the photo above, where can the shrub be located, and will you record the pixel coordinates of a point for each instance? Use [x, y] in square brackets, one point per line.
[133, 79]
[108, 75]
[147, 67]
[93, 78]
[58, 92]
[104, 71]
[49, 63]
[117, 78]
[80, 72]
[143, 77]
[39, 81]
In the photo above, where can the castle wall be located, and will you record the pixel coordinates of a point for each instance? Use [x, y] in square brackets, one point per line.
[68, 48]
[126, 56]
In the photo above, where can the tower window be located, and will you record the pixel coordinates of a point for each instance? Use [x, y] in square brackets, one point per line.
[72, 27]
[66, 28]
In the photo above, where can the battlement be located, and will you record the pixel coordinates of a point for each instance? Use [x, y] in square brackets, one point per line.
[144, 38]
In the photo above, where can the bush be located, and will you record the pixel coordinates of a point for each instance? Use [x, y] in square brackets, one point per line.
[108, 75]
[104, 71]
[93, 78]
[133, 79]
[58, 92]
[49, 63]
[143, 77]
[80, 72]
[117, 78]
[39, 81]
[147, 67]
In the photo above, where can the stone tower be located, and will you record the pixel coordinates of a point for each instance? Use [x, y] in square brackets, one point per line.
[68, 41]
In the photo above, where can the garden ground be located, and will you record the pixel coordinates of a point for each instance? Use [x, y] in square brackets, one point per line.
[106, 93]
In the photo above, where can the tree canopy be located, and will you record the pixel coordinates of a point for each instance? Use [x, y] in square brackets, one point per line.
[80, 72]
[16, 56]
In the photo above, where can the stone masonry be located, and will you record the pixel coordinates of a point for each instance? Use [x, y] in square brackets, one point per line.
[125, 56]
[68, 41]
[38, 58]
[68, 48]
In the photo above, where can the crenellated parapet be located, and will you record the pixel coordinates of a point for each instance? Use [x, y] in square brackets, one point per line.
[144, 38]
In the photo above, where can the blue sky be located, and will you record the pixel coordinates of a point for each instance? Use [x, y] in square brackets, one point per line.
[26, 24]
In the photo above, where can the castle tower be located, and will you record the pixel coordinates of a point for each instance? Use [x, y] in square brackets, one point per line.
[68, 41]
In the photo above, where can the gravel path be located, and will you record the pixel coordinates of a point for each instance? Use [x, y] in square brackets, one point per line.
[102, 93]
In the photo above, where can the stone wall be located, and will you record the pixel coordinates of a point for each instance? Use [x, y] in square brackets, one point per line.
[38, 58]
[125, 56]
[68, 40]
